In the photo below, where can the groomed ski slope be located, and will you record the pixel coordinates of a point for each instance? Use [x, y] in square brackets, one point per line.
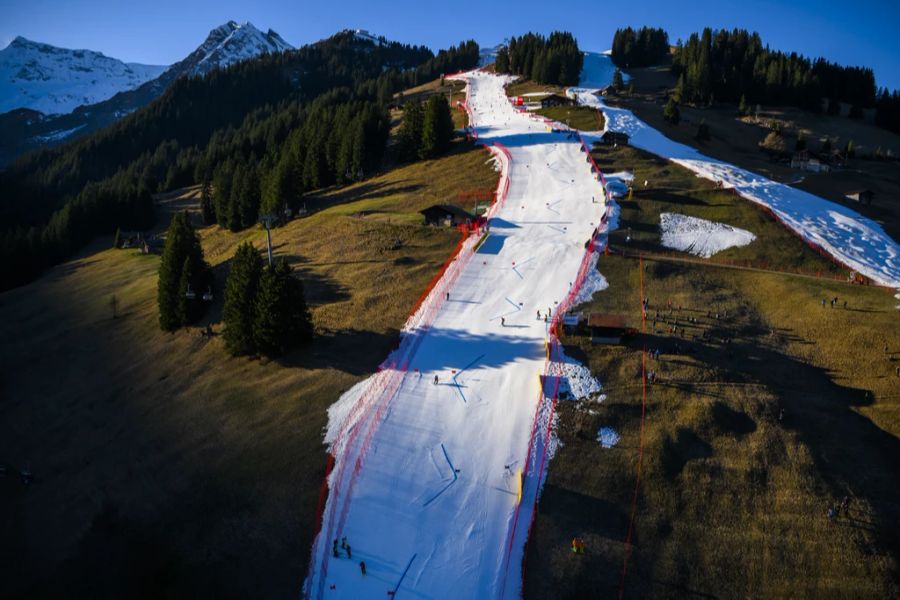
[854, 240]
[425, 484]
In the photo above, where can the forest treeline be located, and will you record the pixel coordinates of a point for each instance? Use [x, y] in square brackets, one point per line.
[644, 47]
[726, 65]
[554, 60]
[280, 124]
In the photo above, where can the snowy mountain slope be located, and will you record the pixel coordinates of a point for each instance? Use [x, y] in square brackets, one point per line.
[55, 80]
[225, 45]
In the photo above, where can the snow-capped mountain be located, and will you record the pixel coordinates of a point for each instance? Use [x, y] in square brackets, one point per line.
[228, 44]
[487, 55]
[56, 80]
[26, 128]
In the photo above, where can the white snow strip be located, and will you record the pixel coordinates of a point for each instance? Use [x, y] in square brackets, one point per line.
[699, 236]
[425, 484]
[851, 238]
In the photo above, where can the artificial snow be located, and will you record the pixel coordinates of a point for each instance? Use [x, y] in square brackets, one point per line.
[594, 282]
[699, 236]
[421, 485]
[607, 437]
[576, 381]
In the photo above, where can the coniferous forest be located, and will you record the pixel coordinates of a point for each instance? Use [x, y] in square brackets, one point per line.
[639, 48]
[554, 60]
[258, 134]
[725, 65]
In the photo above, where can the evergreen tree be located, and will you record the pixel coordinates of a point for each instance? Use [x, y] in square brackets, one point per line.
[117, 241]
[206, 203]
[181, 263]
[282, 319]
[410, 137]
[501, 64]
[671, 113]
[702, 131]
[240, 297]
[437, 127]
[743, 108]
[617, 81]
[641, 48]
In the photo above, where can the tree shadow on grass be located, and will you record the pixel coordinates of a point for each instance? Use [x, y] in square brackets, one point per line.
[365, 191]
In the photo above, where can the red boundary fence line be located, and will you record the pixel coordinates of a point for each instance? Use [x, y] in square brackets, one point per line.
[637, 482]
[390, 375]
[554, 348]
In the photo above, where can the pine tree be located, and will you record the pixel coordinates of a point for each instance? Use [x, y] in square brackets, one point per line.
[671, 113]
[117, 241]
[437, 127]
[240, 297]
[702, 131]
[501, 64]
[181, 263]
[282, 318]
[617, 81]
[411, 130]
[743, 108]
[206, 203]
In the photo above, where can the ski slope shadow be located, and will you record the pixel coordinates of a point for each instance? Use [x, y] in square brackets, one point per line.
[452, 349]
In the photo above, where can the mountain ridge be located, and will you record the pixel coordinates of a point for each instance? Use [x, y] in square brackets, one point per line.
[28, 128]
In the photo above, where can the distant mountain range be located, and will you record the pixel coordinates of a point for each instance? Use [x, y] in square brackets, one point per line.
[57, 80]
[53, 94]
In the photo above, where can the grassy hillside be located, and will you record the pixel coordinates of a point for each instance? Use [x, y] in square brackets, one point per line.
[733, 492]
[164, 467]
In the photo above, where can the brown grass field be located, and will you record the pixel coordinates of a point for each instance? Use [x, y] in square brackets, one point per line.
[732, 498]
[166, 468]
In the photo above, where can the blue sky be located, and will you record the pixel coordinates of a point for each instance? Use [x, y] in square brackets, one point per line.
[862, 32]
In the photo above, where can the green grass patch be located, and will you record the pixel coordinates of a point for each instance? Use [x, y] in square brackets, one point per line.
[582, 118]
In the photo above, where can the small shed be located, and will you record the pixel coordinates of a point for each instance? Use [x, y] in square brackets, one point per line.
[446, 215]
[614, 138]
[556, 100]
[608, 329]
[861, 196]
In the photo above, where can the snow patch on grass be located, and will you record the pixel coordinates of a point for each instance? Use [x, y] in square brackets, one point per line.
[698, 236]
[607, 437]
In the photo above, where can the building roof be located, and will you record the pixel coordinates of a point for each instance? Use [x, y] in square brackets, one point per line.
[448, 208]
[556, 97]
[610, 133]
[606, 321]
